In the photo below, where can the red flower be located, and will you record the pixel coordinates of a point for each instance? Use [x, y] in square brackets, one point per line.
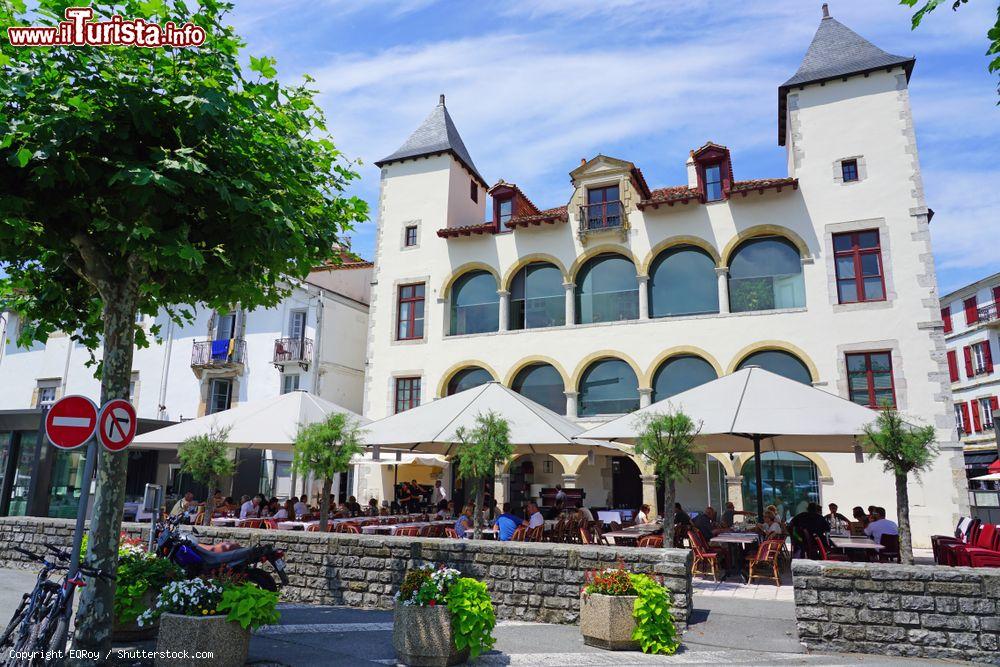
[432, 603]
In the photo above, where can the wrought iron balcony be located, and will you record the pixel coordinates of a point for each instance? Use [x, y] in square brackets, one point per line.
[293, 351]
[221, 354]
[606, 215]
[989, 315]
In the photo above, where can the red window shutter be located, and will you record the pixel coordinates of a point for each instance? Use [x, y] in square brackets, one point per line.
[994, 405]
[953, 365]
[987, 356]
[946, 316]
[976, 422]
[964, 407]
[968, 361]
[996, 300]
[971, 311]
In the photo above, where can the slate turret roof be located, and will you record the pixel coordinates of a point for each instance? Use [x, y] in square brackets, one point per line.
[437, 134]
[836, 51]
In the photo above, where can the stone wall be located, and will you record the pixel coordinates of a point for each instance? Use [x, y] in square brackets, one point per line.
[924, 611]
[531, 582]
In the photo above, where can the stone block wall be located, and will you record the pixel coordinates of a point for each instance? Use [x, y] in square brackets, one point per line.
[924, 611]
[527, 581]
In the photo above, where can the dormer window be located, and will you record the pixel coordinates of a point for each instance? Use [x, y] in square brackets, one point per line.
[603, 208]
[505, 210]
[713, 182]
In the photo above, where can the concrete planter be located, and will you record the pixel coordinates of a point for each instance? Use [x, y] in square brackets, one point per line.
[227, 641]
[125, 632]
[422, 637]
[606, 622]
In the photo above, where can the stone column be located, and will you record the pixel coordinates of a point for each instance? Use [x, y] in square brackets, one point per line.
[569, 481]
[501, 482]
[570, 303]
[504, 309]
[571, 404]
[722, 272]
[649, 491]
[645, 397]
[734, 490]
[643, 297]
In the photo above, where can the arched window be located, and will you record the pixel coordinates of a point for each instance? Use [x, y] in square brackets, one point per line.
[682, 281]
[791, 482]
[780, 362]
[608, 387]
[607, 290]
[467, 378]
[679, 374]
[542, 384]
[475, 304]
[764, 274]
[537, 298]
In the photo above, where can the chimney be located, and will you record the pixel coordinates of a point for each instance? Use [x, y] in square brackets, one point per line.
[826, 11]
[441, 98]
[583, 161]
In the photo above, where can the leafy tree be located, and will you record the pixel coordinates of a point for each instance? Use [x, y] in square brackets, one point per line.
[324, 449]
[207, 459]
[481, 450]
[903, 449]
[666, 442]
[992, 34]
[136, 179]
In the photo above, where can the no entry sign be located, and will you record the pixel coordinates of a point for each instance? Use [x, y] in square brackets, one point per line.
[116, 424]
[71, 422]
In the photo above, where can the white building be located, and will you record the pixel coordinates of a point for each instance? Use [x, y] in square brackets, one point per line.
[314, 340]
[627, 294]
[971, 322]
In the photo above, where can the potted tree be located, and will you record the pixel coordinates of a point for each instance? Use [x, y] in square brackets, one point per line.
[324, 449]
[666, 442]
[481, 450]
[209, 615]
[207, 459]
[441, 618]
[623, 611]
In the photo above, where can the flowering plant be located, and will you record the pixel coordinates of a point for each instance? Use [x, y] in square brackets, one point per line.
[654, 625]
[609, 581]
[196, 597]
[426, 586]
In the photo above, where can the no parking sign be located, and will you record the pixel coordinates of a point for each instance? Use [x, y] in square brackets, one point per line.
[116, 425]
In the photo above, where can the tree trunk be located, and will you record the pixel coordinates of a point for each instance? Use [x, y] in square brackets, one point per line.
[477, 519]
[210, 503]
[96, 610]
[669, 497]
[324, 504]
[903, 514]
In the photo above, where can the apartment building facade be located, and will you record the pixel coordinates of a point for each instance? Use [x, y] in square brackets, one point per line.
[624, 294]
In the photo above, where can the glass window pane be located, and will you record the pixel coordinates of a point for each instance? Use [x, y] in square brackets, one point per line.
[764, 274]
[467, 378]
[779, 362]
[607, 290]
[683, 282]
[418, 290]
[848, 290]
[545, 300]
[608, 387]
[791, 482]
[880, 361]
[868, 239]
[542, 384]
[842, 242]
[856, 363]
[859, 382]
[475, 304]
[870, 264]
[845, 267]
[884, 397]
[680, 374]
[873, 289]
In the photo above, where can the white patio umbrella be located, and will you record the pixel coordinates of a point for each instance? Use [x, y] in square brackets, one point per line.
[992, 477]
[391, 459]
[430, 428]
[756, 406]
[270, 423]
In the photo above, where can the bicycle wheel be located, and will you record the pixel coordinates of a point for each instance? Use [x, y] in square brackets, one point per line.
[9, 633]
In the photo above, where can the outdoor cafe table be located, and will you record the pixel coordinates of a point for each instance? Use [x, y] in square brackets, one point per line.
[845, 542]
[226, 521]
[629, 536]
[391, 529]
[737, 543]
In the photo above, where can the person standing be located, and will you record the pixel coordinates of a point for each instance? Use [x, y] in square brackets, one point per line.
[438, 494]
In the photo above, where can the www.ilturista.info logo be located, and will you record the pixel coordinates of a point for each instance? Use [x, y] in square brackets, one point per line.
[79, 30]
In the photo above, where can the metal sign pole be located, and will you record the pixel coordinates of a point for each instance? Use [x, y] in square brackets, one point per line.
[81, 512]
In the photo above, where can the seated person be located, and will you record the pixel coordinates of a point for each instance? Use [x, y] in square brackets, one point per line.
[353, 506]
[464, 522]
[585, 514]
[372, 507]
[642, 516]
[728, 515]
[442, 510]
[680, 516]
[285, 512]
[836, 520]
[707, 523]
[860, 518]
[506, 524]
[812, 521]
[770, 529]
[880, 526]
[535, 517]
[183, 505]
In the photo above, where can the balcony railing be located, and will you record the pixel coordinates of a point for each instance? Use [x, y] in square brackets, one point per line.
[293, 351]
[989, 314]
[221, 353]
[607, 215]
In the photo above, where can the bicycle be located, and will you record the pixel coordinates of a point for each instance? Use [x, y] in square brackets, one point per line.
[42, 619]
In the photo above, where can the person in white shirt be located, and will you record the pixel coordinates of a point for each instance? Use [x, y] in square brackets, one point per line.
[301, 509]
[642, 517]
[535, 517]
[770, 529]
[251, 508]
[880, 526]
[438, 494]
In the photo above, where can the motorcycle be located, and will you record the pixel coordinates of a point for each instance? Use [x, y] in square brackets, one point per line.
[197, 560]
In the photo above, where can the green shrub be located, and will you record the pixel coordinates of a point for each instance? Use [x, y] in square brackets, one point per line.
[654, 624]
[249, 605]
[472, 616]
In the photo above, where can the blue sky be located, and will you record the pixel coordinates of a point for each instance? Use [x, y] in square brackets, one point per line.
[535, 85]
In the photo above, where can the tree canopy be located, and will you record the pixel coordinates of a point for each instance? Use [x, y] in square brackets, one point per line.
[481, 449]
[326, 448]
[207, 458]
[666, 442]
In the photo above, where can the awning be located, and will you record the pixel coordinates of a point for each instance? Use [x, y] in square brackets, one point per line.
[980, 459]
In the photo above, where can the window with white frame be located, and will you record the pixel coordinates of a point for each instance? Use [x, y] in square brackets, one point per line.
[981, 361]
[959, 424]
[297, 324]
[986, 408]
[46, 394]
[133, 385]
[220, 396]
[289, 383]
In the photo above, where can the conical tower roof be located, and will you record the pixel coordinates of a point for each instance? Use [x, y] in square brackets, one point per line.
[437, 134]
[836, 51]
